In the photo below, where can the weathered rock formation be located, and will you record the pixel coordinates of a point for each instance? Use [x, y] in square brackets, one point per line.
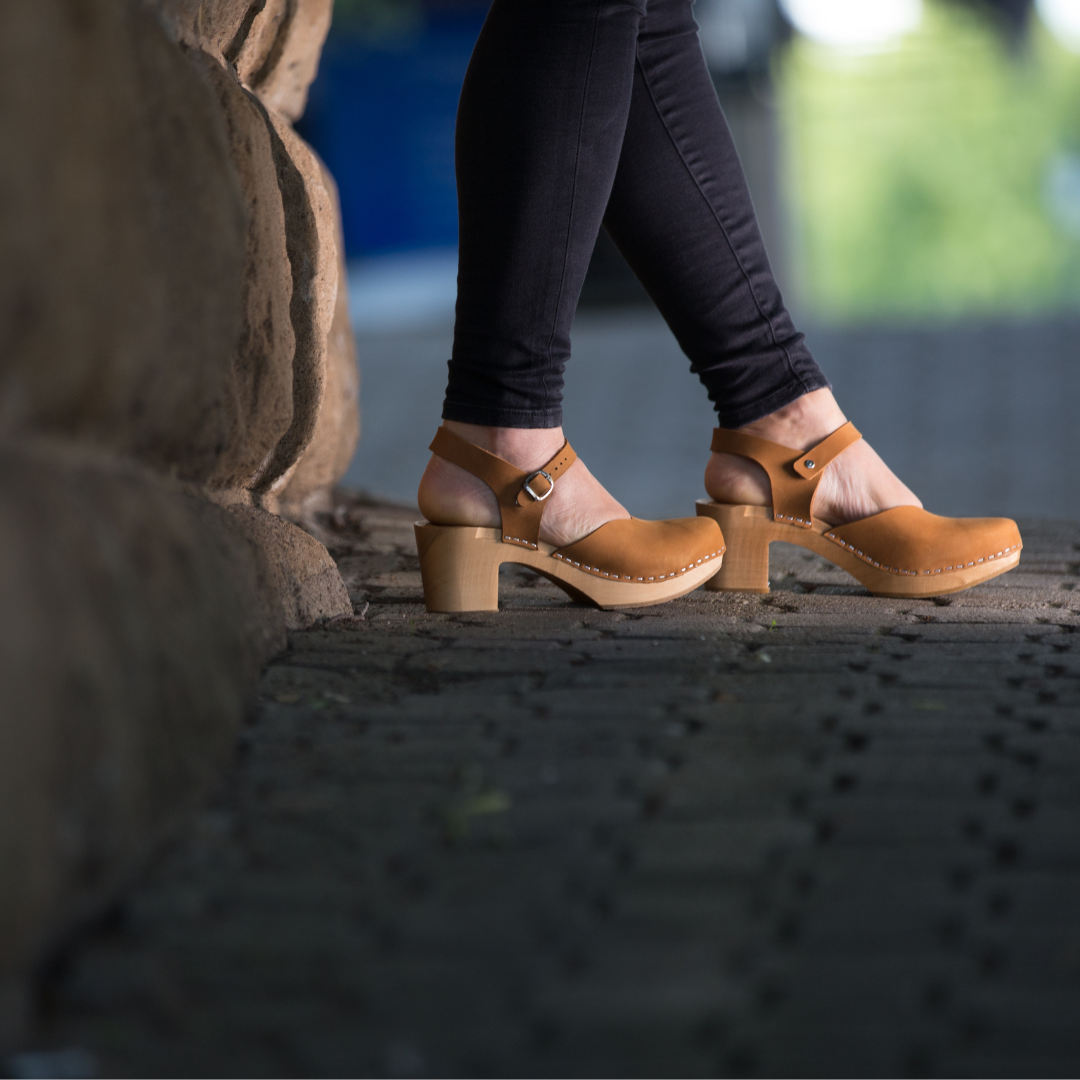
[337, 429]
[176, 364]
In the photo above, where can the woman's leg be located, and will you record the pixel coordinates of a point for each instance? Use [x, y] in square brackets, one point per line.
[540, 129]
[539, 134]
[681, 213]
[551, 90]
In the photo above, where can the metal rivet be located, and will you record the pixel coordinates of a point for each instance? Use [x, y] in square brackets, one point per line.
[808, 463]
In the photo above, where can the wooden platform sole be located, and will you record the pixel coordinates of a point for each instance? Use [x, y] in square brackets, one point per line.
[748, 531]
[460, 569]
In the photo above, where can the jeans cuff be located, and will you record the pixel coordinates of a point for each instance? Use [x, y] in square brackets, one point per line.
[747, 414]
[492, 416]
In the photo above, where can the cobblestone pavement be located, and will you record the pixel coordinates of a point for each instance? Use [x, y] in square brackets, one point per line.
[812, 833]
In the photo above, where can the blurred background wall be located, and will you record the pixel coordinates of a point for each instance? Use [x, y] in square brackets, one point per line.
[915, 165]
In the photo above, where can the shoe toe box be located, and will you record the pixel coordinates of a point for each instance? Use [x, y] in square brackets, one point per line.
[912, 540]
[643, 551]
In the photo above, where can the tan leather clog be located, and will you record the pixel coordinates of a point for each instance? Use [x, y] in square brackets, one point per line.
[630, 563]
[903, 552]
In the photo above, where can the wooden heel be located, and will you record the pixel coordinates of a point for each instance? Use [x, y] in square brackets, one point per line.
[459, 566]
[747, 531]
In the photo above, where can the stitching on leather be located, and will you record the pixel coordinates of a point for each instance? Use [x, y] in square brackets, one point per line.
[626, 577]
[915, 573]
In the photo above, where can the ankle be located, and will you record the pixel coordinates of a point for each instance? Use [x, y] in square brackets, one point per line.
[526, 448]
[803, 423]
[857, 484]
[449, 495]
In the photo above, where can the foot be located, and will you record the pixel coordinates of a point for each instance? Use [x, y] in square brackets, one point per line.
[854, 485]
[579, 504]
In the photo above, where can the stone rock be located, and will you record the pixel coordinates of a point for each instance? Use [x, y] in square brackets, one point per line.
[311, 241]
[122, 251]
[338, 429]
[134, 618]
[260, 406]
[169, 272]
[273, 44]
[258, 53]
[280, 57]
[303, 576]
[218, 27]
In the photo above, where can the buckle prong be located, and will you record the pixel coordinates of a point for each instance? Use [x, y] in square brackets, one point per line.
[531, 477]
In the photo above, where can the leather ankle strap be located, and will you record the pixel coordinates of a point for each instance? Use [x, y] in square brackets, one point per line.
[521, 495]
[793, 474]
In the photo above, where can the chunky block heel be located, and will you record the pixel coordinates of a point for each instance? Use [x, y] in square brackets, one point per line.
[630, 563]
[459, 567]
[747, 531]
[902, 552]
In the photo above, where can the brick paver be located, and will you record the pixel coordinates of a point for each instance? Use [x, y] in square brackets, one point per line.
[813, 833]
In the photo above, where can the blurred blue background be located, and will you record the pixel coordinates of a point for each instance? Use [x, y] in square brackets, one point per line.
[381, 114]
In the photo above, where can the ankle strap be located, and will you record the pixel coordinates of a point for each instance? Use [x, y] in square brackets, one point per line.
[521, 495]
[793, 474]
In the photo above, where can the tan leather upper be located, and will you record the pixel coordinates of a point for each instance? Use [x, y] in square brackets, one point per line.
[905, 540]
[793, 474]
[626, 550]
[910, 541]
[520, 511]
[636, 550]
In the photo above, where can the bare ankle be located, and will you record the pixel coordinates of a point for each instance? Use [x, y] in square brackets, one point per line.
[857, 484]
[803, 423]
[449, 495]
[733, 479]
[527, 448]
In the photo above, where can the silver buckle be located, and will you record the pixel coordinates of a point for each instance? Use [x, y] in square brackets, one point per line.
[531, 477]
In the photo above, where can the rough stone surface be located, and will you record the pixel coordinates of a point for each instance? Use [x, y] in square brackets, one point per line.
[169, 282]
[135, 619]
[120, 265]
[168, 273]
[811, 833]
[337, 431]
[217, 27]
[304, 577]
[257, 53]
[280, 57]
[273, 44]
[311, 242]
[260, 404]
[295, 348]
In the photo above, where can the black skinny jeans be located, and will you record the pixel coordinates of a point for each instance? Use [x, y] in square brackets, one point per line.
[581, 112]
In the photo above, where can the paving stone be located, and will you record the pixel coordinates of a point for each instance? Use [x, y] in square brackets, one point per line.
[811, 833]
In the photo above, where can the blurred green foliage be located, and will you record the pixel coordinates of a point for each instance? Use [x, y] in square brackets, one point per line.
[920, 178]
